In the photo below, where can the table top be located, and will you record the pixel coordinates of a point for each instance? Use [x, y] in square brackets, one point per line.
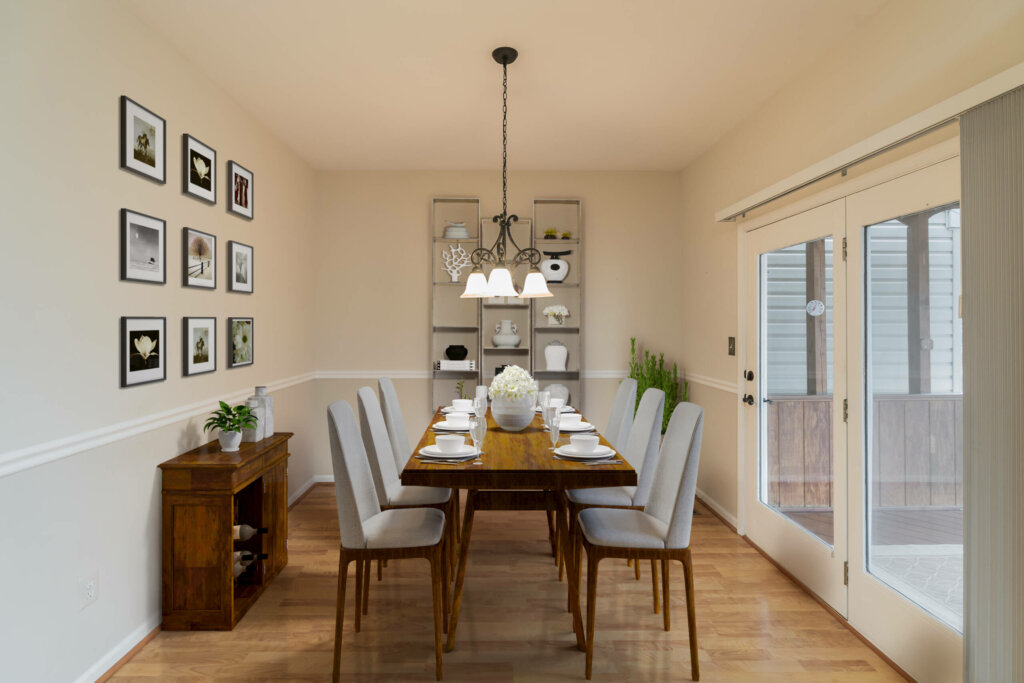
[515, 460]
[209, 455]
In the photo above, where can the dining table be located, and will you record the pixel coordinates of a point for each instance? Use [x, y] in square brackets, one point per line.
[516, 471]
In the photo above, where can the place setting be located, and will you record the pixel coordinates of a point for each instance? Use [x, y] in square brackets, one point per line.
[452, 449]
[588, 449]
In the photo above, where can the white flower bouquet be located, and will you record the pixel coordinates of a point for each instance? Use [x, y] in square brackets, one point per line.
[513, 384]
[556, 313]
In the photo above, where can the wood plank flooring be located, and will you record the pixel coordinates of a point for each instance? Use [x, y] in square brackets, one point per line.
[753, 623]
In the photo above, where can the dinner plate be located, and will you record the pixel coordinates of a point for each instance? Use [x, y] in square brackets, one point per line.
[598, 453]
[467, 452]
[578, 427]
[450, 409]
[565, 409]
[444, 426]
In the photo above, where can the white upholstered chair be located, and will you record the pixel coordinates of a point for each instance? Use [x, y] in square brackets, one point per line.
[621, 419]
[369, 533]
[400, 447]
[661, 531]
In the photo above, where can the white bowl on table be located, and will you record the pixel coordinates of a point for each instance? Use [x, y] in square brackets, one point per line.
[584, 443]
[570, 419]
[462, 405]
[450, 443]
[458, 420]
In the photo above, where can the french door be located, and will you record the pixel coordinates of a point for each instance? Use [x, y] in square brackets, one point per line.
[852, 414]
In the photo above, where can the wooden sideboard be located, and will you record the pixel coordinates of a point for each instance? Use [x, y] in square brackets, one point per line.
[206, 492]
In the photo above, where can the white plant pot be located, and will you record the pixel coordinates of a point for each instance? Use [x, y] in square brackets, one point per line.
[555, 355]
[229, 441]
[555, 319]
[512, 415]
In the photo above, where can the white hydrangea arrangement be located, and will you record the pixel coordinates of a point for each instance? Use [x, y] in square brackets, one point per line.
[557, 313]
[513, 383]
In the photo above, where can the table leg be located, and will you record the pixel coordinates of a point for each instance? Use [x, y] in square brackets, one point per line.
[460, 575]
[570, 573]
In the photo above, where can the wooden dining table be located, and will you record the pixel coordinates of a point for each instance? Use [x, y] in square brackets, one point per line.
[516, 471]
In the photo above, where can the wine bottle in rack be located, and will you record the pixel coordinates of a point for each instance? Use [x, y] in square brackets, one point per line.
[245, 559]
[243, 532]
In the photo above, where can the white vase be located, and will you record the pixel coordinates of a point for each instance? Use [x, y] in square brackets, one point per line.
[256, 433]
[555, 269]
[229, 441]
[555, 354]
[512, 415]
[506, 335]
[267, 402]
[555, 319]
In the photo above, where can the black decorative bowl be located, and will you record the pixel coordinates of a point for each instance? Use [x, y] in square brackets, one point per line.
[456, 352]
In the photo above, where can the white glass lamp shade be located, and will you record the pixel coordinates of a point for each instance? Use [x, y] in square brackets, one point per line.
[500, 283]
[535, 286]
[476, 285]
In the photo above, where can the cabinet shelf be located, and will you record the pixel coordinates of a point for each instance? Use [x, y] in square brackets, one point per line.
[471, 238]
[455, 374]
[456, 328]
[499, 349]
[556, 328]
[506, 305]
[554, 374]
[540, 243]
[563, 284]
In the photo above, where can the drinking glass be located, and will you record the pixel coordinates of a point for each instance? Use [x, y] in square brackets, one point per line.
[554, 417]
[480, 407]
[542, 399]
[477, 431]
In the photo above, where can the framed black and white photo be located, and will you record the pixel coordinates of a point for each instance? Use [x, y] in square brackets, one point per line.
[143, 141]
[198, 259]
[143, 350]
[240, 346]
[199, 169]
[240, 192]
[143, 248]
[239, 267]
[198, 345]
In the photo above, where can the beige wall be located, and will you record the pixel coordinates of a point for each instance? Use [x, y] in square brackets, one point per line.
[909, 57]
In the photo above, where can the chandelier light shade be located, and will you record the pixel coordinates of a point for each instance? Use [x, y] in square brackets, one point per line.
[499, 282]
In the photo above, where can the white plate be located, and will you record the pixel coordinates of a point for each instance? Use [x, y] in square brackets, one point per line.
[450, 409]
[467, 452]
[444, 426]
[578, 427]
[601, 451]
[565, 409]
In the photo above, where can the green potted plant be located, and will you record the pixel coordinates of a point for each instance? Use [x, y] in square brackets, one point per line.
[551, 234]
[230, 421]
[566, 235]
[648, 372]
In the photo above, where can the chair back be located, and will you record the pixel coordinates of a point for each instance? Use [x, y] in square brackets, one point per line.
[621, 419]
[353, 483]
[675, 485]
[644, 441]
[400, 447]
[376, 443]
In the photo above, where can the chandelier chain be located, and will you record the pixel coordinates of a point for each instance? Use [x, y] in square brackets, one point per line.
[504, 139]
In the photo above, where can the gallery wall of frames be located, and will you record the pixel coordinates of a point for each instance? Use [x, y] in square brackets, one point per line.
[143, 254]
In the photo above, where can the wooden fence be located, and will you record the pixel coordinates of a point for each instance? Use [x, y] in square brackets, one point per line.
[917, 451]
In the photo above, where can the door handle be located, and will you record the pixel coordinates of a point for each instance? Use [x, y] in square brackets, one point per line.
[748, 399]
[748, 375]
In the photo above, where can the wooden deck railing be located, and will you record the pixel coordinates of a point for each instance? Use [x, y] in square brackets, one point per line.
[917, 451]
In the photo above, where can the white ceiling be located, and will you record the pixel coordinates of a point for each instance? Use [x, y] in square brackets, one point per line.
[410, 84]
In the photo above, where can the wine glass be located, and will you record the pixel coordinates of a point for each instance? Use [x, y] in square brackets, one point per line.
[554, 418]
[542, 400]
[477, 432]
[480, 407]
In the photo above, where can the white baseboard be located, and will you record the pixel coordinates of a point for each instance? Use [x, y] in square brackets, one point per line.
[103, 664]
[315, 479]
[717, 507]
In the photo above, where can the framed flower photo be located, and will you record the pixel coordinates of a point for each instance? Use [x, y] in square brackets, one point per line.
[143, 141]
[143, 248]
[240, 268]
[198, 259]
[240, 346]
[143, 350]
[241, 192]
[198, 345]
[199, 169]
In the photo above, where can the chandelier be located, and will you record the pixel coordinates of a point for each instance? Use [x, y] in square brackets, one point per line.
[502, 261]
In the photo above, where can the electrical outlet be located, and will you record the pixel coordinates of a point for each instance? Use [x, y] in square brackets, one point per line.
[732, 346]
[88, 590]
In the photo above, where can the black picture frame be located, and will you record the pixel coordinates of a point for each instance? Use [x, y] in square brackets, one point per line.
[193, 146]
[136, 273]
[133, 378]
[187, 369]
[186, 278]
[246, 209]
[232, 363]
[235, 284]
[133, 164]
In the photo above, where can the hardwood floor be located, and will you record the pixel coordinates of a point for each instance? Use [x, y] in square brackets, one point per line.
[753, 623]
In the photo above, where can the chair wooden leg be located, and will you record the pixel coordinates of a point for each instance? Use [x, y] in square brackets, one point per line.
[691, 614]
[665, 608]
[436, 560]
[592, 562]
[654, 583]
[339, 617]
[380, 570]
[359, 593]
[457, 495]
[366, 585]
[636, 569]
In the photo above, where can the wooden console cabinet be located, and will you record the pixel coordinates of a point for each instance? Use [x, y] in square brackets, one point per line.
[205, 493]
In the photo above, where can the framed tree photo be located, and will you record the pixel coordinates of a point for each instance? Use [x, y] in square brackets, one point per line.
[199, 169]
[198, 259]
[241, 191]
[198, 345]
[143, 248]
[240, 343]
[143, 350]
[240, 268]
[143, 141]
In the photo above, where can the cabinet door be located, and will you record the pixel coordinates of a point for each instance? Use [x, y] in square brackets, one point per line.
[275, 517]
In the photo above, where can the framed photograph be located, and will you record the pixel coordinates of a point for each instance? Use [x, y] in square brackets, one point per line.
[143, 248]
[239, 267]
[240, 187]
[198, 346]
[143, 141]
[240, 345]
[143, 350]
[199, 169]
[198, 259]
